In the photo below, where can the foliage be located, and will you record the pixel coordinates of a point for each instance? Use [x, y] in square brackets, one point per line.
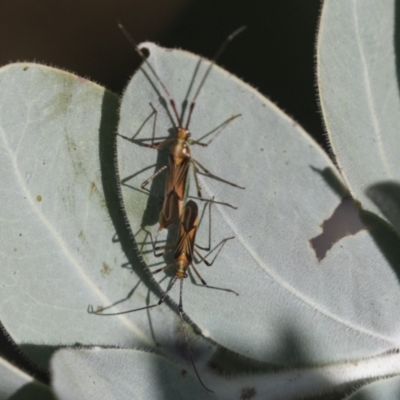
[307, 322]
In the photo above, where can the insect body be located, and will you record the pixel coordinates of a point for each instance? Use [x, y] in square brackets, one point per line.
[185, 250]
[180, 159]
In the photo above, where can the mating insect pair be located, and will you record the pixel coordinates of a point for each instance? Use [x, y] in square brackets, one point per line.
[174, 208]
[180, 159]
[185, 249]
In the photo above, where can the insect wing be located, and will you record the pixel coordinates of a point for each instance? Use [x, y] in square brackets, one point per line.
[187, 231]
[171, 210]
[177, 177]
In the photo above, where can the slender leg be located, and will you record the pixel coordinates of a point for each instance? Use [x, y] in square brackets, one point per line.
[210, 175]
[147, 181]
[90, 309]
[142, 244]
[155, 248]
[186, 338]
[218, 130]
[220, 245]
[209, 227]
[196, 179]
[208, 248]
[140, 142]
[198, 188]
[213, 201]
[163, 268]
[153, 145]
[140, 128]
[212, 287]
[155, 112]
[153, 243]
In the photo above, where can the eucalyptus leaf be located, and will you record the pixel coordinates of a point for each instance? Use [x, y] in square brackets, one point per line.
[292, 308]
[388, 389]
[120, 374]
[58, 243]
[358, 85]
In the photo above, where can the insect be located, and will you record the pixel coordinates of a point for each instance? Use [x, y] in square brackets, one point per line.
[185, 250]
[180, 158]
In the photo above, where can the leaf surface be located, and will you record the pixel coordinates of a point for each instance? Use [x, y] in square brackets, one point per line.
[292, 308]
[358, 85]
[59, 241]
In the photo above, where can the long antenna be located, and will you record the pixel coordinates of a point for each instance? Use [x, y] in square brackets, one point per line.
[213, 61]
[153, 71]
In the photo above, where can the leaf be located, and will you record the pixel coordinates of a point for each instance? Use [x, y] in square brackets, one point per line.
[120, 374]
[357, 74]
[292, 308]
[16, 384]
[388, 389]
[58, 241]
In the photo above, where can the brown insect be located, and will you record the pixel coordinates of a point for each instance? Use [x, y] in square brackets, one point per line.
[180, 158]
[183, 256]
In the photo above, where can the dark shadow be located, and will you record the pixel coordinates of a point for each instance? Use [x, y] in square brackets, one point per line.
[248, 393]
[331, 180]
[385, 238]
[156, 187]
[111, 186]
[33, 391]
[386, 196]
[292, 347]
[229, 364]
[344, 221]
[22, 359]
[225, 362]
[41, 354]
[341, 392]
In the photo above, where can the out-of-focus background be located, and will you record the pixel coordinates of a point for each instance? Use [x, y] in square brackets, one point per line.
[275, 54]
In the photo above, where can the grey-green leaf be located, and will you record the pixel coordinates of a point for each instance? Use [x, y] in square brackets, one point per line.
[358, 85]
[57, 240]
[291, 308]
